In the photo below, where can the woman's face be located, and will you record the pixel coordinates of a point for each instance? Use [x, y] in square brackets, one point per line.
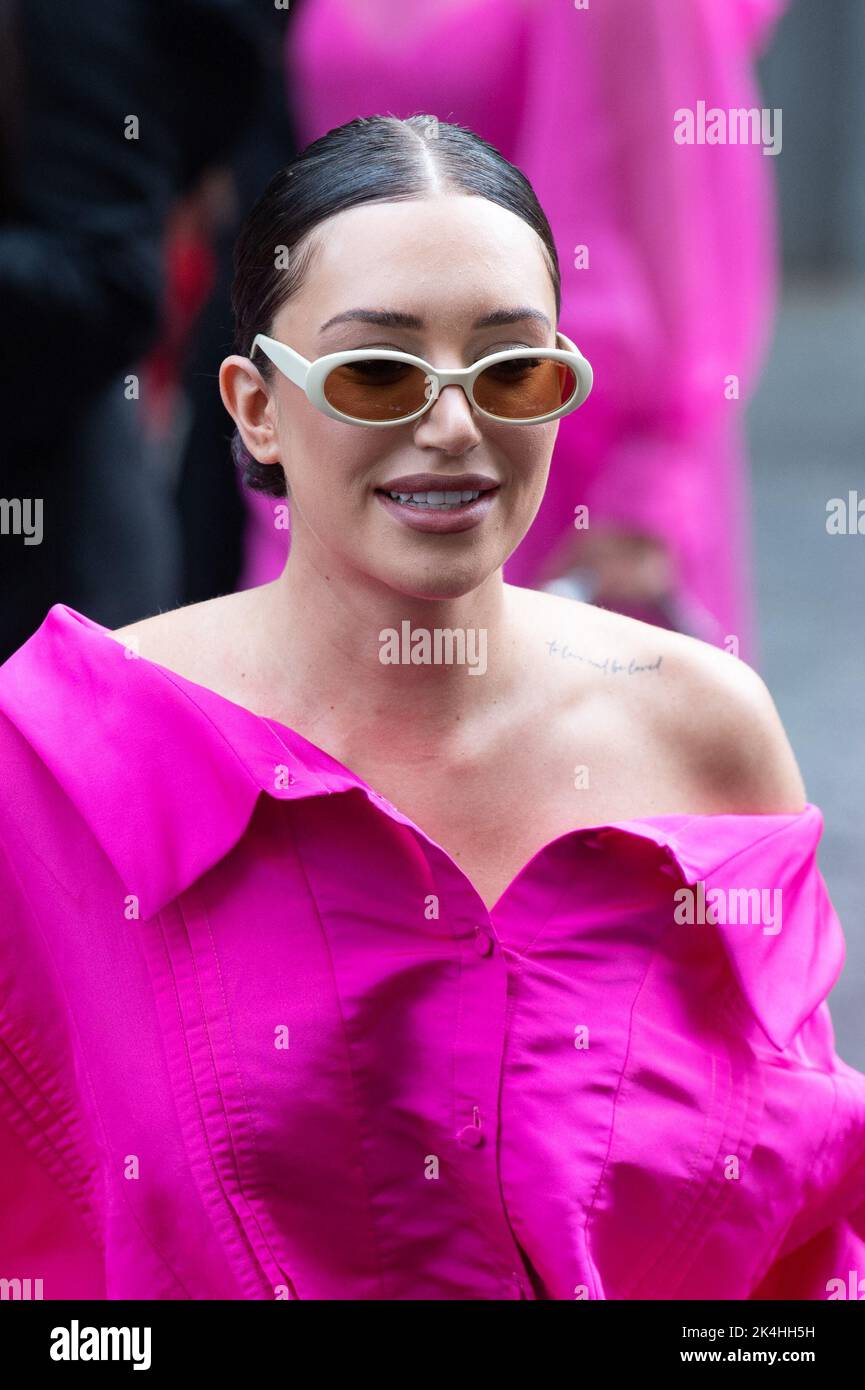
[447, 262]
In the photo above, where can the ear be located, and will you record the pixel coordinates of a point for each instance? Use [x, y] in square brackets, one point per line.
[248, 400]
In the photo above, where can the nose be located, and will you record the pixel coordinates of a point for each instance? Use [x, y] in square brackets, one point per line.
[450, 423]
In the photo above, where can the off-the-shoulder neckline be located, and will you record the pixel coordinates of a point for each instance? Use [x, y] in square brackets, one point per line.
[196, 691]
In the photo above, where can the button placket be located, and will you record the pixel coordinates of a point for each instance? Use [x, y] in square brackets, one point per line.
[478, 1059]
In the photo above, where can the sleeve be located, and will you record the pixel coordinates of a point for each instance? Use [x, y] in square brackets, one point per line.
[822, 1255]
[42, 1233]
[49, 1228]
[799, 1217]
[679, 287]
[831, 1265]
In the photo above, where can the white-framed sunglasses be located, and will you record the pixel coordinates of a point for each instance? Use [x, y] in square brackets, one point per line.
[379, 386]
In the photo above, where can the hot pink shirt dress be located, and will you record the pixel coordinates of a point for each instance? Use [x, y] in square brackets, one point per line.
[260, 1037]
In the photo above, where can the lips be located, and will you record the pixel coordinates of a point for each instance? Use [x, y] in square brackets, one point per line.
[439, 519]
[439, 482]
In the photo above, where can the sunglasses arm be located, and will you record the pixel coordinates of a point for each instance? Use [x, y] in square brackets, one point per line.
[289, 362]
[584, 367]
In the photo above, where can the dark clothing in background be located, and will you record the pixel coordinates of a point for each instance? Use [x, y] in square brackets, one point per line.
[211, 513]
[84, 212]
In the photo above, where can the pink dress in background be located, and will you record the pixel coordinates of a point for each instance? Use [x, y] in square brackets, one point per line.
[680, 288]
[260, 1037]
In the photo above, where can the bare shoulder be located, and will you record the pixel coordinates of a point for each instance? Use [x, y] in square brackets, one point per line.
[196, 640]
[708, 713]
[733, 730]
[162, 634]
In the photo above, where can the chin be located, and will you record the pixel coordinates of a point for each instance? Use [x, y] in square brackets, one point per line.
[441, 586]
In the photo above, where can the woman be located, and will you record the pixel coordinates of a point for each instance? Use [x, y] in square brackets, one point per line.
[671, 260]
[508, 987]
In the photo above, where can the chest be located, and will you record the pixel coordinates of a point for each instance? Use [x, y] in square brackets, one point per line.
[491, 821]
[493, 808]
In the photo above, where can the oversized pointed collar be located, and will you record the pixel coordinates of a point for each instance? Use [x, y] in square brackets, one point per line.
[166, 773]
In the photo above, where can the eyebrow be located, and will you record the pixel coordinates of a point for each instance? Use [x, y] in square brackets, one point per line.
[393, 318]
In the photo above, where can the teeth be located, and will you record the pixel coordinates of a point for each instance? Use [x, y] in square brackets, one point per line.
[435, 499]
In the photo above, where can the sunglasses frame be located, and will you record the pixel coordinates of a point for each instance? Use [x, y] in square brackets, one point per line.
[311, 376]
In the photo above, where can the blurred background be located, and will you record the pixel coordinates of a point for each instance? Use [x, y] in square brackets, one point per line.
[806, 428]
[719, 292]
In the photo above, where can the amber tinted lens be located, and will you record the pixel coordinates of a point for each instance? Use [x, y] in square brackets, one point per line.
[522, 388]
[376, 389]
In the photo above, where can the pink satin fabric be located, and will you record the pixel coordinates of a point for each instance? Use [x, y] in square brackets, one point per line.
[260, 1037]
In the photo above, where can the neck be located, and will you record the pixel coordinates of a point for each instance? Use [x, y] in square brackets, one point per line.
[351, 656]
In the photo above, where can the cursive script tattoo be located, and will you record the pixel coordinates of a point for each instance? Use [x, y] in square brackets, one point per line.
[609, 665]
